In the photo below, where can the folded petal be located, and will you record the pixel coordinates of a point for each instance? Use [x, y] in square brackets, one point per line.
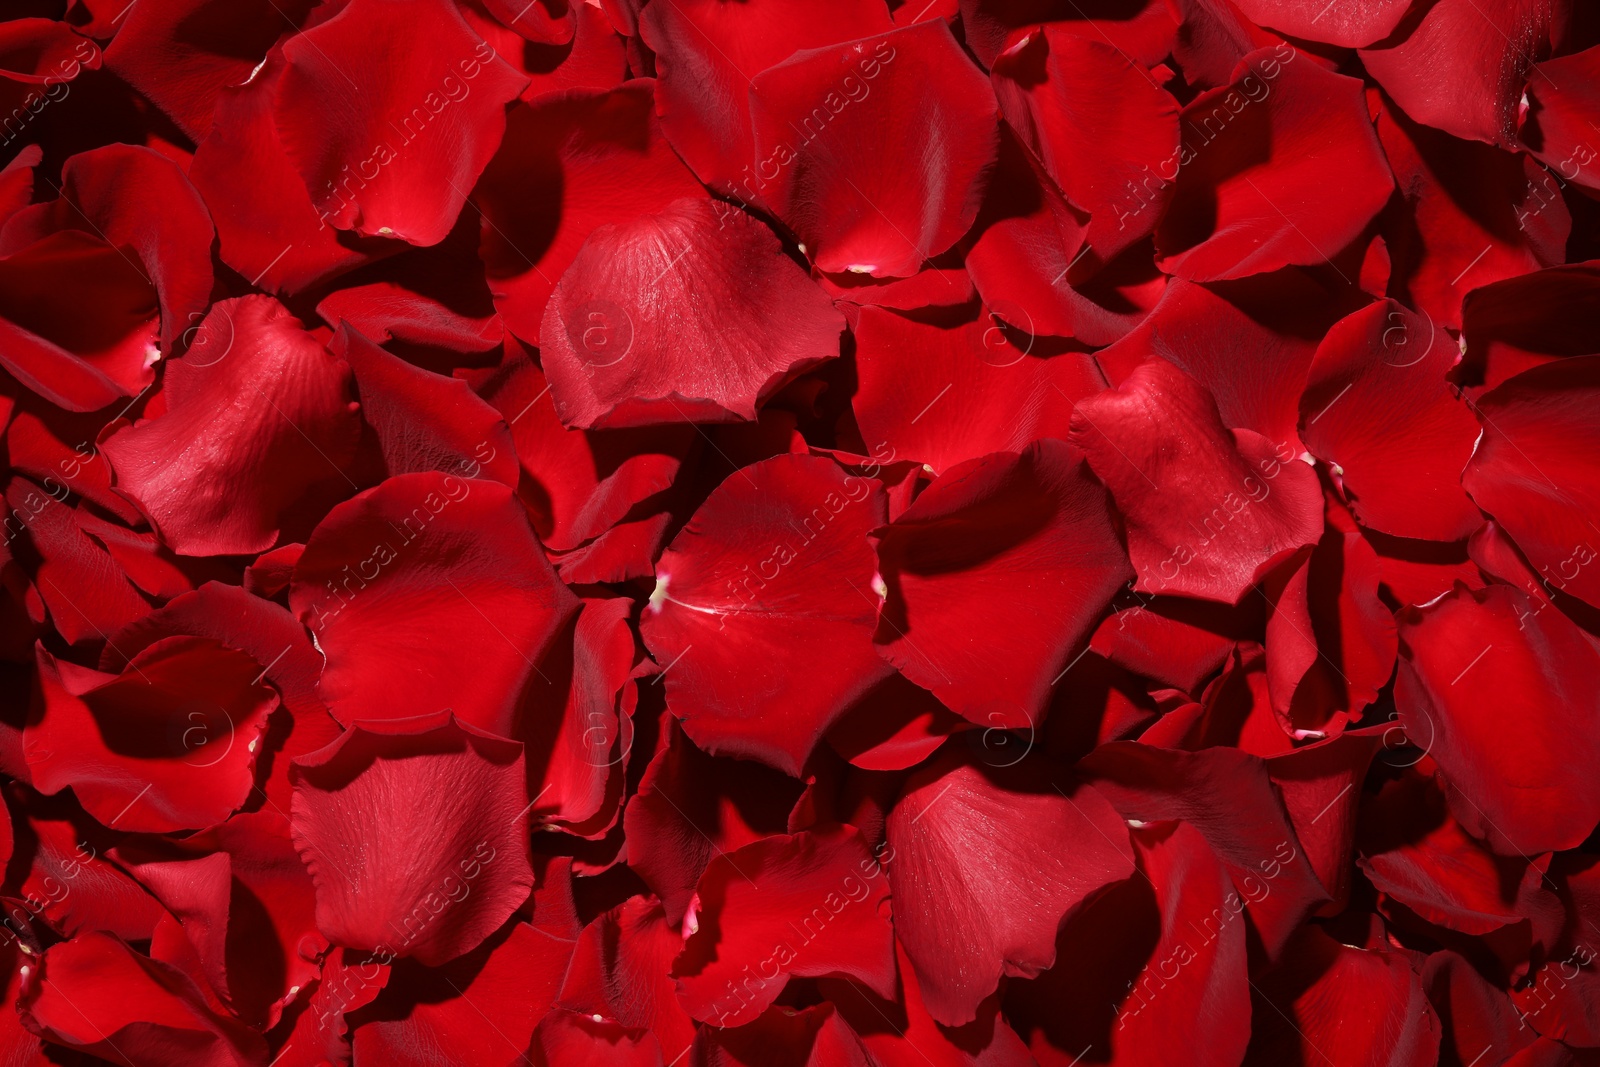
[99, 996]
[168, 744]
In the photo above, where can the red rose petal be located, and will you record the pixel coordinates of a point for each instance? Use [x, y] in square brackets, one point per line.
[708, 52]
[692, 314]
[254, 393]
[600, 157]
[386, 884]
[1240, 505]
[96, 994]
[1257, 153]
[1460, 68]
[1501, 782]
[767, 596]
[140, 748]
[1073, 98]
[383, 572]
[868, 174]
[394, 149]
[942, 393]
[805, 905]
[983, 876]
[1036, 524]
[510, 980]
[1317, 1002]
[1523, 470]
[1378, 409]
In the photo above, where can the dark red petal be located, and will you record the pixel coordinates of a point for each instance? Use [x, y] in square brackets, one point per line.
[396, 871]
[1140, 28]
[88, 594]
[1348, 25]
[270, 636]
[873, 152]
[565, 1037]
[421, 555]
[578, 725]
[258, 415]
[96, 994]
[1024, 260]
[1475, 94]
[393, 149]
[1207, 512]
[940, 393]
[690, 315]
[245, 901]
[1249, 342]
[66, 883]
[690, 807]
[1320, 1001]
[1531, 469]
[1473, 1013]
[1213, 35]
[580, 484]
[267, 229]
[107, 192]
[985, 865]
[783, 1037]
[168, 744]
[1330, 640]
[896, 726]
[619, 971]
[809, 904]
[1103, 128]
[184, 55]
[570, 162]
[425, 421]
[1228, 796]
[765, 600]
[511, 980]
[1532, 668]
[1415, 853]
[1257, 156]
[1176, 641]
[80, 321]
[1036, 524]
[1319, 786]
[1378, 410]
[1521, 322]
[1153, 970]
[707, 52]
[1563, 95]
[1471, 215]
[901, 1032]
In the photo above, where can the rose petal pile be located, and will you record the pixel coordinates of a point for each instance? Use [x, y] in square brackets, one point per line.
[800, 533]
